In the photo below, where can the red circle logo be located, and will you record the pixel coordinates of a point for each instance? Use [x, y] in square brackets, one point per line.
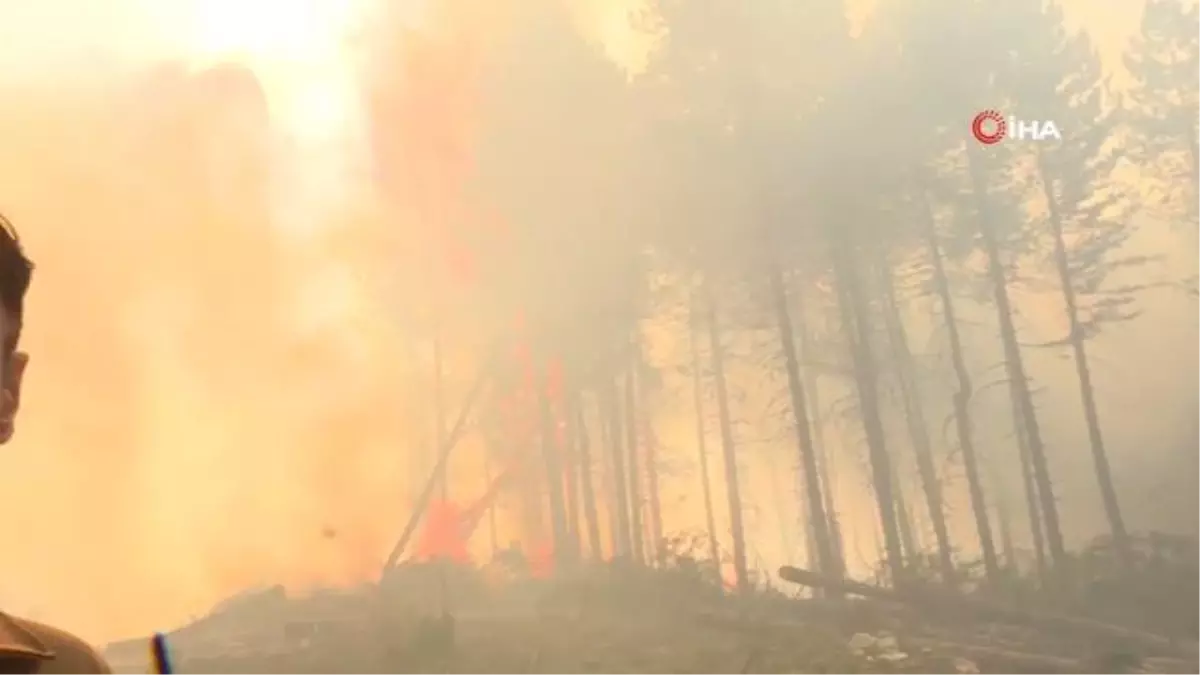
[989, 127]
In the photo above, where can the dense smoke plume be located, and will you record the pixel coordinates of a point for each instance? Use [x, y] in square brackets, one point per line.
[231, 318]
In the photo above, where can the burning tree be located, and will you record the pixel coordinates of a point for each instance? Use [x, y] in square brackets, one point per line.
[495, 207]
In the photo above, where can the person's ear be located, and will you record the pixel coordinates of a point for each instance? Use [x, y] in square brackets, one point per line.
[10, 397]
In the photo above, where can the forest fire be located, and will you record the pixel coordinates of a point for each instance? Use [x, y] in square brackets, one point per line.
[423, 125]
[448, 526]
[635, 343]
[447, 531]
[446, 534]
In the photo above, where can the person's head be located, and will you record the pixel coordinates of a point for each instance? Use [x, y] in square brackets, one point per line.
[15, 273]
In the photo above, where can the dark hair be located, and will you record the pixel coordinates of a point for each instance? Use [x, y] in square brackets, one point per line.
[15, 272]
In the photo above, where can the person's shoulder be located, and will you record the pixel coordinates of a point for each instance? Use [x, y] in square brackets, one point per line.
[51, 649]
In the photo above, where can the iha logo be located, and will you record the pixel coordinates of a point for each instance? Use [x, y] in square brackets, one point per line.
[990, 127]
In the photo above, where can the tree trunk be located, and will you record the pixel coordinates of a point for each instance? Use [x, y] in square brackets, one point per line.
[636, 525]
[587, 488]
[1031, 497]
[728, 446]
[914, 415]
[855, 318]
[439, 410]
[552, 458]
[962, 402]
[654, 501]
[823, 459]
[806, 449]
[1004, 520]
[1108, 491]
[620, 500]
[1016, 368]
[570, 480]
[701, 436]
[908, 539]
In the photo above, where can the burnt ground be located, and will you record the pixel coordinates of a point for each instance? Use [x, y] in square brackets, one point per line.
[629, 621]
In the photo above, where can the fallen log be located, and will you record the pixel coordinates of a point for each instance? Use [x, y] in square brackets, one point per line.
[950, 604]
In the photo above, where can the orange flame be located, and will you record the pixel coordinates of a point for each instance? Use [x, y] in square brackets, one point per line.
[423, 119]
[443, 536]
[422, 132]
[448, 527]
[541, 561]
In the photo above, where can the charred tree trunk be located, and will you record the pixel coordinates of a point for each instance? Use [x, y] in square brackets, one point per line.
[1087, 393]
[728, 445]
[904, 521]
[1031, 496]
[701, 436]
[914, 415]
[608, 491]
[818, 521]
[962, 402]
[1016, 368]
[552, 458]
[1004, 520]
[439, 410]
[855, 317]
[654, 501]
[620, 499]
[587, 488]
[635, 474]
[814, 399]
[570, 479]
